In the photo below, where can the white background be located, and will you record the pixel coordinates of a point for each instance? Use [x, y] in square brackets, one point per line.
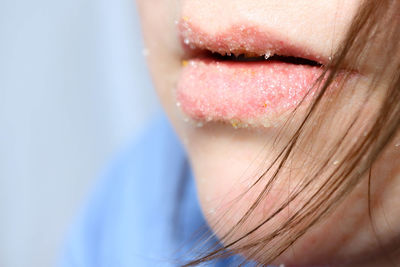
[73, 90]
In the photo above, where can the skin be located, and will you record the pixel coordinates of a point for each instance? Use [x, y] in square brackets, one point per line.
[226, 160]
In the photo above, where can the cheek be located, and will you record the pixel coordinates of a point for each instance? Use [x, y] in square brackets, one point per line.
[162, 48]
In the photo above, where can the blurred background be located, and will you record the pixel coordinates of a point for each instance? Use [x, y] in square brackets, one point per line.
[74, 90]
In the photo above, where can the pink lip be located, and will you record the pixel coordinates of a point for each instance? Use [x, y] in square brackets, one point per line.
[240, 39]
[243, 93]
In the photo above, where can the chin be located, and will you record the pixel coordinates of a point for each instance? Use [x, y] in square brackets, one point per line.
[227, 162]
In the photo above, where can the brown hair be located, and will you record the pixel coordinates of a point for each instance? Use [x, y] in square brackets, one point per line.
[354, 151]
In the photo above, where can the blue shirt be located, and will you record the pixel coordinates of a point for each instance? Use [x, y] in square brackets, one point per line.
[144, 211]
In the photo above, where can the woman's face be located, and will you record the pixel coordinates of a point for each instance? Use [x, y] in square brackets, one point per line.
[228, 112]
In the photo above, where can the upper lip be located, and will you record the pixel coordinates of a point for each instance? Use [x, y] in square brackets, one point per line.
[243, 39]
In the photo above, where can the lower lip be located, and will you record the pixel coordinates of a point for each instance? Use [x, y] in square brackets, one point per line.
[243, 93]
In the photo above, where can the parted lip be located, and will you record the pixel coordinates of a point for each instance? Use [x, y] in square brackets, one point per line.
[244, 74]
[242, 39]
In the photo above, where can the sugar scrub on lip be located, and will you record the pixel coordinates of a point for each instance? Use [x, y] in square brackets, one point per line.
[240, 39]
[243, 93]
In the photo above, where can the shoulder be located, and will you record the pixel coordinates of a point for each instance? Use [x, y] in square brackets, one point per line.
[128, 219]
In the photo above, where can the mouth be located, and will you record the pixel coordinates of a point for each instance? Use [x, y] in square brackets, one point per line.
[243, 76]
[263, 58]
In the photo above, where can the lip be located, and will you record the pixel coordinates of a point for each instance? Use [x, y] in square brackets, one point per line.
[242, 38]
[242, 93]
